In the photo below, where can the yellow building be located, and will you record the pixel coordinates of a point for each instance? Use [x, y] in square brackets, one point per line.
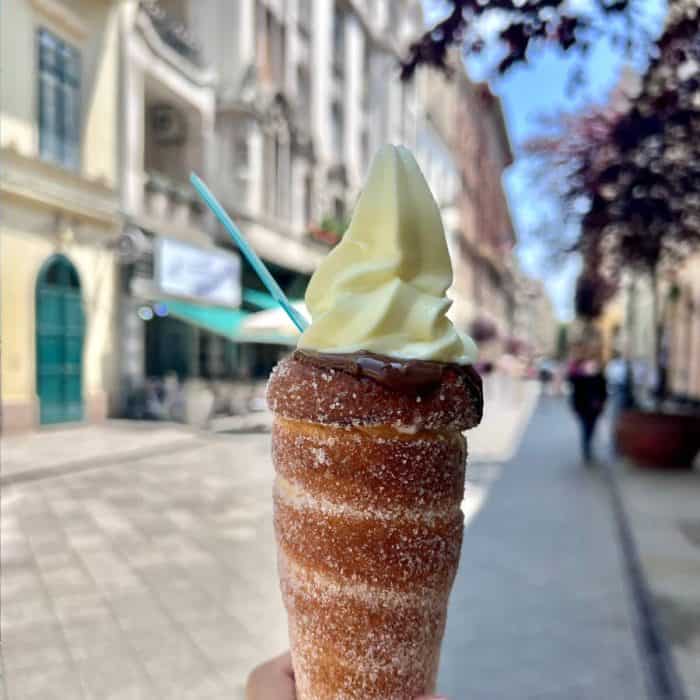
[684, 332]
[58, 183]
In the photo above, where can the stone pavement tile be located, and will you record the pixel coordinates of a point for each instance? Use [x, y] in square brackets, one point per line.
[110, 573]
[68, 580]
[21, 612]
[91, 638]
[49, 449]
[46, 682]
[175, 665]
[16, 552]
[223, 642]
[74, 609]
[33, 645]
[114, 677]
[138, 610]
[23, 598]
[19, 584]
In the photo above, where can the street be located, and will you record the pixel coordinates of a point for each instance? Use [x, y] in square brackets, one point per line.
[155, 577]
[540, 608]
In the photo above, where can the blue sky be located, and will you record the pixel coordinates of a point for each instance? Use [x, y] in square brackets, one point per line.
[528, 92]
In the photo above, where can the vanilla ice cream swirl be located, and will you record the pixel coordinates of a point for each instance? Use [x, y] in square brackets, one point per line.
[383, 287]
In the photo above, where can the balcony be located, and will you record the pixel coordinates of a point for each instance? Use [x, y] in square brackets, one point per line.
[173, 33]
[166, 200]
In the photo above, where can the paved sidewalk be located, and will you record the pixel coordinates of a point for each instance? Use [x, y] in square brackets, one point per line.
[152, 575]
[50, 451]
[540, 609]
[144, 580]
[509, 404]
[663, 509]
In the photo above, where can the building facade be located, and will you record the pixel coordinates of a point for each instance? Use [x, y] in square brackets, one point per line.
[303, 102]
[535, 328]
[168, 114]
[485, 281]
[59, 185]
[684, 332]
[280, 105]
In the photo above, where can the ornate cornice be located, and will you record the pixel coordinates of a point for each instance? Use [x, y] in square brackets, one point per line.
[48, 186]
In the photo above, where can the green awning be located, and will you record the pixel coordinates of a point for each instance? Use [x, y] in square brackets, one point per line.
[228, 323]
[260, 299]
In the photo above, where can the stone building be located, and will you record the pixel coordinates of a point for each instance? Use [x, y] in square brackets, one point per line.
[305, 97]
[484, 278]
[535, 324]
[168, 112]
[59, 184]
[113, 273]
[684, 332]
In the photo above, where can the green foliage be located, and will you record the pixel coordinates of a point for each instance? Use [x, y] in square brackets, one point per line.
[334, 224]
[562, 341]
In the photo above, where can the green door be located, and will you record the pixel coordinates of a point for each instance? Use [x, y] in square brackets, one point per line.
[60, 329]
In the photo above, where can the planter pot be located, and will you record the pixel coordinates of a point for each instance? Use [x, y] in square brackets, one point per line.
[658, 440]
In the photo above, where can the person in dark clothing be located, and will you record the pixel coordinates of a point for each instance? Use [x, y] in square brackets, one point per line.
[588, 395]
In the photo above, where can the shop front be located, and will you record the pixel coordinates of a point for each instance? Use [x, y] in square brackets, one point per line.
[186, 325]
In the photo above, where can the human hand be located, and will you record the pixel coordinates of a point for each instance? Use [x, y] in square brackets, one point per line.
[274, 680]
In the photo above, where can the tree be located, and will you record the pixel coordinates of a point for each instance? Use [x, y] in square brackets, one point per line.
[637, 166]
[523, 24]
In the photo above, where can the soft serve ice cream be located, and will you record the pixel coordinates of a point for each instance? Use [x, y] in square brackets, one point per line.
[382, 289]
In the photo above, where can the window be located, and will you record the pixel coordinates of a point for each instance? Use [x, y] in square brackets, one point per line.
[279, 50]
[271, 49]
[303, 87]
[304, 15]
[308, 198]
[240, 151]
[338, 40]
[59, 100]
[278, 167]
[277, 174]
[337, 127]
[367, 73]
[365, 148]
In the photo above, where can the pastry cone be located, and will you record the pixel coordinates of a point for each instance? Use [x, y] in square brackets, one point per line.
[368, 523]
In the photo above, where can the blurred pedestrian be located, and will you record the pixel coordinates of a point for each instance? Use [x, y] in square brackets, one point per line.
[588, 394]
[546, 371]
[274, 680]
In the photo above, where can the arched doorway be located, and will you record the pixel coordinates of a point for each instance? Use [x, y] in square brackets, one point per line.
[60, 329]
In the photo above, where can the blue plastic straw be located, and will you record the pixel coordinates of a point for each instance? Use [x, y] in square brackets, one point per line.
[251, 256]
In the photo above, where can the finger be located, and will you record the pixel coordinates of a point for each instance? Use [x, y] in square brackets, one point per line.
[284, 664]
[273, 680]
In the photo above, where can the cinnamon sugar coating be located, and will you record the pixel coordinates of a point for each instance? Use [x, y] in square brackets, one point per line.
[380, 468]
[301, 391]
[369, 527]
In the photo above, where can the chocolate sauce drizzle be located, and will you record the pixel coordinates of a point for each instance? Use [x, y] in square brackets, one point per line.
[391, 372]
